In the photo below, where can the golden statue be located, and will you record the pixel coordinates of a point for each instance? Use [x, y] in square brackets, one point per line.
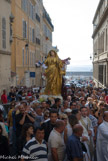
[54, 73]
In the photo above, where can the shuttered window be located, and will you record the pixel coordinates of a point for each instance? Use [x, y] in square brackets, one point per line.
[33, 35]
[24, 29]
[23, 57]
[4, 33]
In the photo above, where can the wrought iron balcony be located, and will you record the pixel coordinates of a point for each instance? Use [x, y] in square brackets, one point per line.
[46, 16]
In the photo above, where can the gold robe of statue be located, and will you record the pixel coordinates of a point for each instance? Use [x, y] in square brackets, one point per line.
[54, 73]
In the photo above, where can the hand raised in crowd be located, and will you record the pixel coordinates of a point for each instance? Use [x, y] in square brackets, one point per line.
[28, 108]
[26, 112]
[84, 138]
[69, 58]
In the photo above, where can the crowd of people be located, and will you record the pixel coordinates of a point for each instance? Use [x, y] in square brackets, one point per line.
[72, 129]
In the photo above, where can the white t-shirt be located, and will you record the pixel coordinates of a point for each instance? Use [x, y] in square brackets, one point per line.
[56, 141]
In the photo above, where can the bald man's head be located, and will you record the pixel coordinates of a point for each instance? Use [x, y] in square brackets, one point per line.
[60, 126]
[59, 123]
[78, 130]
[105, 116]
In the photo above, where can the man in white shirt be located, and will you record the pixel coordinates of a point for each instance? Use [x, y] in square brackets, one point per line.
[102, 139]
[56, 145]
[87, 136]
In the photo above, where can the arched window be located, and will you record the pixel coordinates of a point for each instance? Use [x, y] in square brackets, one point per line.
[4, 33]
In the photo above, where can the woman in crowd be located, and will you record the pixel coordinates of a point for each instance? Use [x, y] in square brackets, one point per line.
[26, 135]
[71, 121]
[4, 146]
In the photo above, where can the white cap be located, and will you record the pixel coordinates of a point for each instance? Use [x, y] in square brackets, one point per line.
[68, 110]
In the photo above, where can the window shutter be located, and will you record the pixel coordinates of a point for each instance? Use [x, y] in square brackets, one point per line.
[33, 35]
[23, 57]
[25, 29]
[4, 33]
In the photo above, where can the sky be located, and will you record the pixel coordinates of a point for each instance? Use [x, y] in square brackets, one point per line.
[73, 29]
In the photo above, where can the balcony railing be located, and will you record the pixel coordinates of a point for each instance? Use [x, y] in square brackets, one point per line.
[37, 18]
[46, 16]
[37, 41]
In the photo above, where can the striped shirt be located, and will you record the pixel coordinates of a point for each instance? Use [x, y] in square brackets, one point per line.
[35, 151]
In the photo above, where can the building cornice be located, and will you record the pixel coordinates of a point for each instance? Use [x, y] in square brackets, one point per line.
[101, 21]
[5, 52]
[23, 39]
[100, 61]
[20, 38]
[47, 19]
[46, 22]
[97, 10]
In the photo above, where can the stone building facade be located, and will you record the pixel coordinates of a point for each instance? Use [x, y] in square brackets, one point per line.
[23, 46]
[100, 45]
[5, 44]
[48, 28]
[39, 40]
[27, 46]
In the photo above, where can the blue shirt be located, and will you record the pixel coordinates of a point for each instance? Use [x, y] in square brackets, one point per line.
[74, 148]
